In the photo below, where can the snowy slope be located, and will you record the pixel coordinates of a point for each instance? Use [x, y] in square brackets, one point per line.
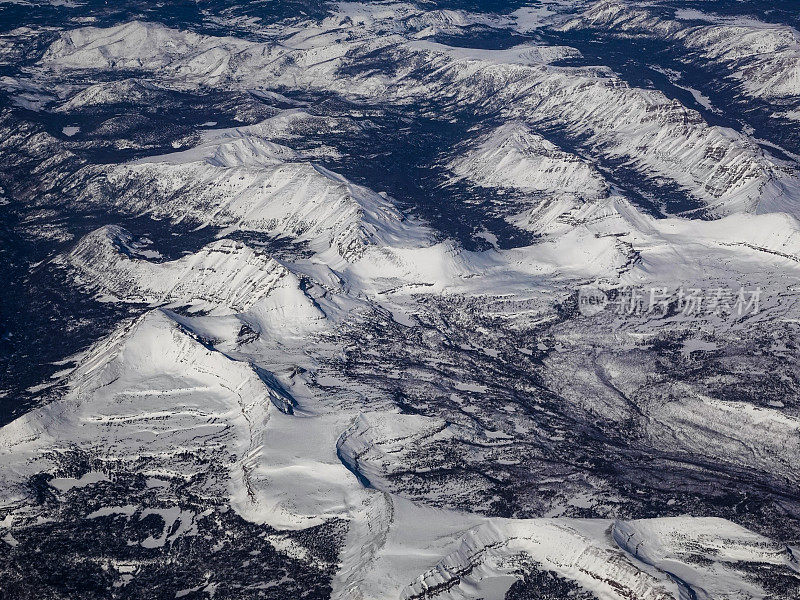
[764, 58]
[238, 179]
[414, 418]
[225, 276]
[482, 558]
[150, 397]
[719, 167]
[153, 398]
[513, 156]
[671, 546]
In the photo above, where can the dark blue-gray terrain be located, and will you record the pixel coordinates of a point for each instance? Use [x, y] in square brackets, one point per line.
[419, 300]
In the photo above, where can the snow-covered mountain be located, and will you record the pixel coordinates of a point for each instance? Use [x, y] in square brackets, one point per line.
[223, 277]
[370, 300]
[239, 180]
[658, 136]
[513, 156]
[762, 57]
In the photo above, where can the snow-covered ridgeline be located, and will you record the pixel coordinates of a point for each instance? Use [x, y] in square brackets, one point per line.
[153, 399]
[151, 396]
[107, 92]
[672, 547]
[410, 20]
[237, 179]
[278, 479]
[225, 276]
[660, 137]
[602, 238]
[572, 549]
[702, 553]
[483, 557]
[514, 156]
[763, 57]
